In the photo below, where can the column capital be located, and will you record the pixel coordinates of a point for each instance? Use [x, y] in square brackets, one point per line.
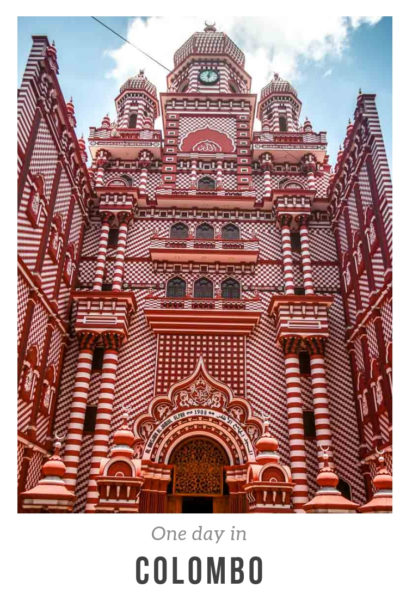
[303, 219]
[284, 219]
[291, 345]
[106, 217]
[315, 345]
[87, 339]
[112, 340]
[124, 217]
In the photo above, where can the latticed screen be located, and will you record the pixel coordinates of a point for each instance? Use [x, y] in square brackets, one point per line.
[198, 468]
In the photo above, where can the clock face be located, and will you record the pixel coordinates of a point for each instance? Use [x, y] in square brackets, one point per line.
[209, 76]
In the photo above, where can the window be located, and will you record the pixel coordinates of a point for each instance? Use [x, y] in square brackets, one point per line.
[299, 291]
[282, 124]
[205, 232]
[233, 88]
[106, 287]
[344, 488]
[179, 231]
[203, 288]
[183, 87]
[90, 419]
[206, 183]
[230, 288]
[295, 241]
[113, 238]
[230, 232]
[176, 288]
[132, 121]
[304, 362]
[309, 423]
[98, 354]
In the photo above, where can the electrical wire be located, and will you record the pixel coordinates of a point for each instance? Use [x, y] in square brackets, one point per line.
[130, 43]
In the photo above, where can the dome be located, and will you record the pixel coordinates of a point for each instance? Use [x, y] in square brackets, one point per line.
[209, 42]
[278, 86]
[139, 82]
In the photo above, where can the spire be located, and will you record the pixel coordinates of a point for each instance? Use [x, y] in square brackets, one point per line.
[328, 498]
[82, 146]
[123, 439]
[51, 493]
[71, 112]
[266, 446]
[210, 27]
[106, 122]
[382, 498]
[307, 127]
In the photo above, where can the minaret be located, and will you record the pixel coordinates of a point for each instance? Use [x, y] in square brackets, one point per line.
[279, 107]
[137, 104]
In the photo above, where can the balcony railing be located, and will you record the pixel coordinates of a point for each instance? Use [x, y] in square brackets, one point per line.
[200, 315]
[290, 137]
[298, 143]
[125, 143]
[205, 251]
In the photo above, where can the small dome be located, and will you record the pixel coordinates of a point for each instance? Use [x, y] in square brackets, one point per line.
[278, 86]
[209, 42]
[139, 82]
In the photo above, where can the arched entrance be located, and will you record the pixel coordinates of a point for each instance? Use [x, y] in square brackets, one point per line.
[195, 444]
[197, 478]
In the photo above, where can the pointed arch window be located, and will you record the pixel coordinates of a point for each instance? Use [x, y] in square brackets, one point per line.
[132, 121]
[205, 232]
[230, 288]
[230, 232]
[206, 183]
[176, 288]
[179, 231]
[203, 288]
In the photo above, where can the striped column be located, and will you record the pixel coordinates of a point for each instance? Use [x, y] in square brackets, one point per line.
[112, 343]
[306, 259]
[101, 160]
[295, 422]
[287, 257]
[289, 118]
[193, 174]
[73, 442]
[120, 257]
[320, 398]
[219, 175]
[311, 180]
[102, 252]
[143, 180]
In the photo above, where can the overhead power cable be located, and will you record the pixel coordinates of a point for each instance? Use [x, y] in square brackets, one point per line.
[130, 43]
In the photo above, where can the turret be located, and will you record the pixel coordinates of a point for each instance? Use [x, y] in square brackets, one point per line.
[51, 493]
[382, 498]
[279, 107]
[328, 499]
[137, 104]
[71, 112]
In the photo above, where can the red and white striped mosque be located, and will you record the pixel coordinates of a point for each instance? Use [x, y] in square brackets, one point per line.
[204, 313]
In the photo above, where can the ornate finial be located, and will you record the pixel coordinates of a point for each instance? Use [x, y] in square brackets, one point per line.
[359, 92]
[276, 76]
[141, 73]
[209, 26]
[349, 121]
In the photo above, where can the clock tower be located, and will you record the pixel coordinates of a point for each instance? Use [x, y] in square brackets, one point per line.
[208, 113]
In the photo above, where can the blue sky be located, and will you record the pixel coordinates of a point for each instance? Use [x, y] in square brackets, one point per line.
[327, 61]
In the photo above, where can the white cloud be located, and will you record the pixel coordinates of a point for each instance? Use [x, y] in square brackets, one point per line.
[327, 73]
[269, 43]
